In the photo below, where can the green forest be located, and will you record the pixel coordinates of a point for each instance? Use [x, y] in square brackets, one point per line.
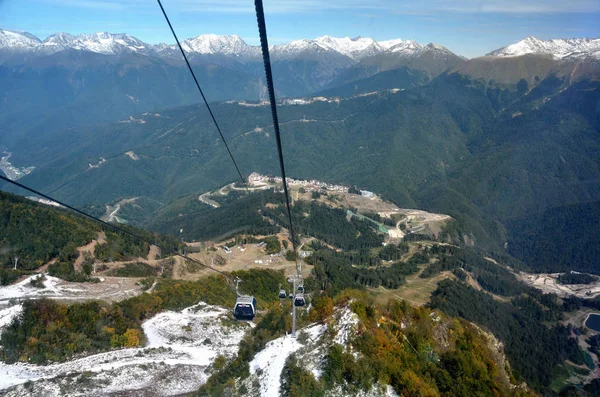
[36, 233]
[239, 213]
[559, 239]
[450, 146]
[335, 271]
[534, 350]
[328, 224]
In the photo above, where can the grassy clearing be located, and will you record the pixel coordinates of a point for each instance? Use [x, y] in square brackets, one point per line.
[417, 290]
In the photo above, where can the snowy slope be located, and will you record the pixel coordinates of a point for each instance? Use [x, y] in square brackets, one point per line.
[559, 48]
[271, 360]
[181, 346]
[231, 45]
[24, 289]
[406, 48]
[101, 43]
[7, 314]
[357, 48]
[18, 41]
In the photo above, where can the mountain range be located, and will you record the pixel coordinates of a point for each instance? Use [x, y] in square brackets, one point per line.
[495, 159]
[558, 48]
[207, 44]
[66, 81]
[233, 46]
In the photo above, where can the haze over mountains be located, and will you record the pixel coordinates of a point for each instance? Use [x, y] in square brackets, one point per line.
[66, 80]
[494, 141]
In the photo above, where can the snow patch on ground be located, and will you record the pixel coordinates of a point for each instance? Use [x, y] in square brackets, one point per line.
[8, 314]
[24, 289]
[133, 120]
[378, 390]
[131, 154]
[109, 289]
[271, 360]
[181, 346]
[346, 326]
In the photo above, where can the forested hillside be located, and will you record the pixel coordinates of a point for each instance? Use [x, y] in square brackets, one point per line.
[37, 233]
[523, 319]
[559, 238]
[485, 153]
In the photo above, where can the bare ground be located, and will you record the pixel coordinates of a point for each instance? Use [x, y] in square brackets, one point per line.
[547, 283]
[89, 248]
[249, 258]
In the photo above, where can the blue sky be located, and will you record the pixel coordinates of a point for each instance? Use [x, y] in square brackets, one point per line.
[467, 27]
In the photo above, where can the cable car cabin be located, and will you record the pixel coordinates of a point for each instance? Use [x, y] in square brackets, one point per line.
[282, 294]
[291, 296]
[245, 308]
[299, 301]
[301, 289]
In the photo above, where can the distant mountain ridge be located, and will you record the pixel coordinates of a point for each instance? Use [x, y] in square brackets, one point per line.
[105, 77]
[355, 49]
[558, 48]
[205, 44]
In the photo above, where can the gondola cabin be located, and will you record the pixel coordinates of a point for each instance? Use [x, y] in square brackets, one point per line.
[245, 308]
[282, 294]
[299, 300]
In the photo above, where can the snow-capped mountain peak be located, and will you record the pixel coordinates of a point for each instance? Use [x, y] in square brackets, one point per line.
[558, 48]
[333, 49]
[17, 40]
[387, 44]
[215, 44]
[59, 39]
[356, 48]
[407, 47]
[101, 43]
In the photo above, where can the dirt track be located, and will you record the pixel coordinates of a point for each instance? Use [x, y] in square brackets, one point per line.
[89, 248]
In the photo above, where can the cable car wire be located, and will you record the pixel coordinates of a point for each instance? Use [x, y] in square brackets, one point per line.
[115, 227]
[202, 94]
[262, 30]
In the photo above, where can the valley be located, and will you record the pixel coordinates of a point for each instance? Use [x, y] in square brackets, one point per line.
[445, 213]
[426, 156]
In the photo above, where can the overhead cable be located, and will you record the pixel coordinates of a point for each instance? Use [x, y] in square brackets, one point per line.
[202, 94]
[264, 44]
